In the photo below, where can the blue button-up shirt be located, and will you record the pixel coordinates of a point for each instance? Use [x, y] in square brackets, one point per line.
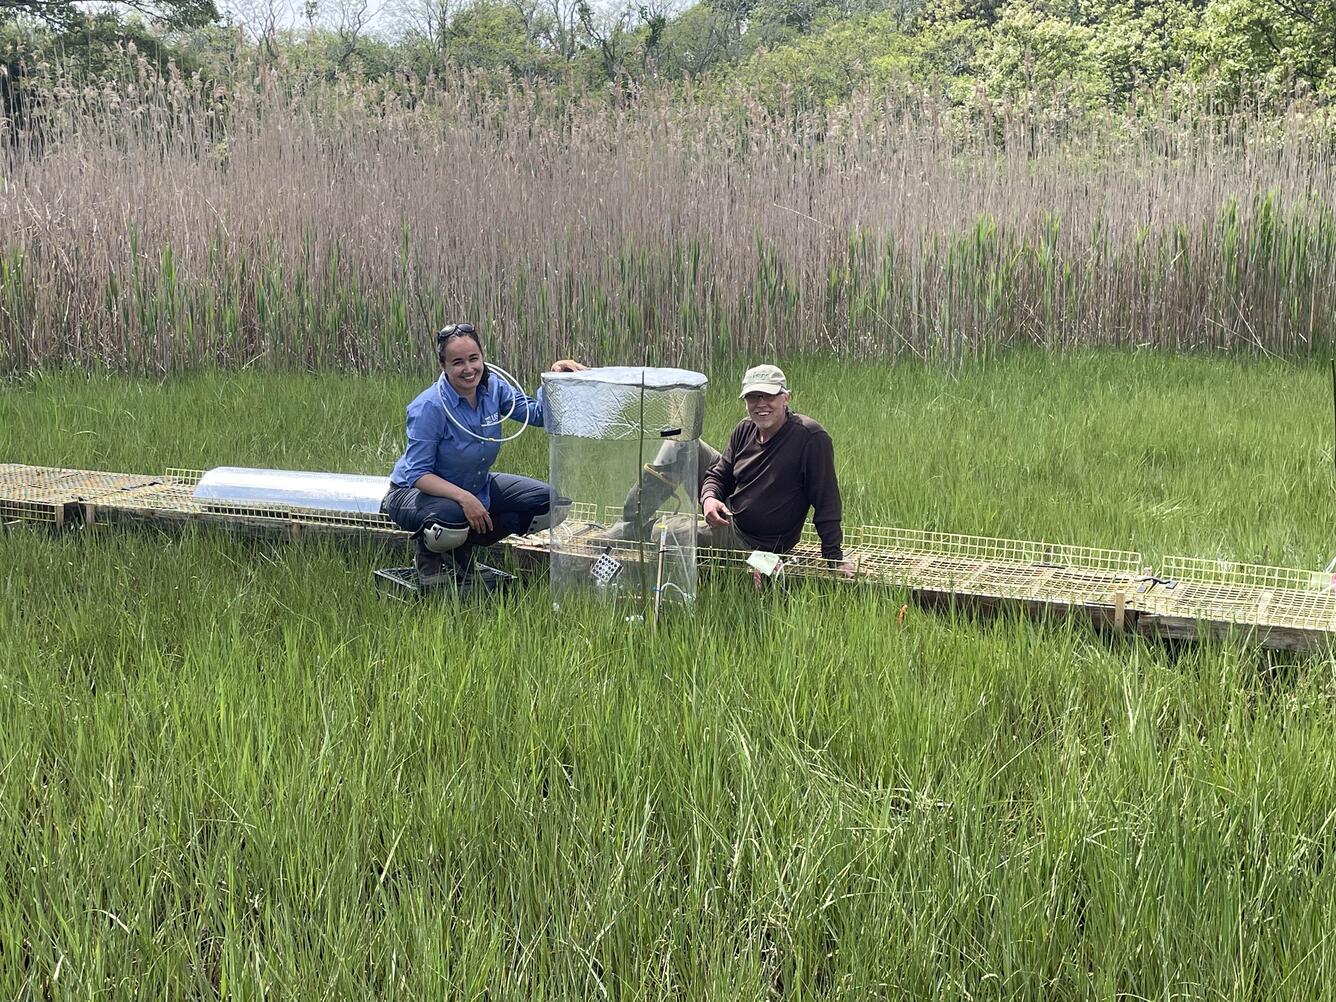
[436, 445]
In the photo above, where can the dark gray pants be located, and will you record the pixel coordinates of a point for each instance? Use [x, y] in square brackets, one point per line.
[515, 502]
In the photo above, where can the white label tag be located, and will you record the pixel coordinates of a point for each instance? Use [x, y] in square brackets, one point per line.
[768, 564]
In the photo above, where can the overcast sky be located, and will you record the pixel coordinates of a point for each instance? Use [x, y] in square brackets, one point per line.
[381, 17]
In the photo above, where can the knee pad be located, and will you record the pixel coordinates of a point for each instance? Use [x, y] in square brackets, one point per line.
[553, 517]
[669, 453]
[443, 539]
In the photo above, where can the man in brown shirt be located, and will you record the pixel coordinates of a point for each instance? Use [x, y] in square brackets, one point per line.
[777, 465]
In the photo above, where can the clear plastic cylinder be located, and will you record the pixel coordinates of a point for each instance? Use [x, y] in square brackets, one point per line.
[624, 468]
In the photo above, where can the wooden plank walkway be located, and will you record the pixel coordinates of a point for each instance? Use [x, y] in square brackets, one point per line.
[49, 494]
[58, 496]
[1187, 598]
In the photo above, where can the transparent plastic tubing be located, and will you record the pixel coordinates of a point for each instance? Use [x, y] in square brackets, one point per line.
[336, 492]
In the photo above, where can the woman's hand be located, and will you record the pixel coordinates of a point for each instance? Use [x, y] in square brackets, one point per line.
[568, 365]
[478, 518]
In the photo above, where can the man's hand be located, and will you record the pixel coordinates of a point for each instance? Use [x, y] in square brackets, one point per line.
[478, 518]
[716, 513]
[568, 365]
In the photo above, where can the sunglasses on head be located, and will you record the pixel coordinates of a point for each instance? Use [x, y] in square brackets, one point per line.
[454, 330]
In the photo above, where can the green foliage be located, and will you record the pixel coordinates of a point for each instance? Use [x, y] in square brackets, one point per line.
[329, 52]
[107, 47]
[1268, 45]
[65, 16]
[774, 22]
[699, 39]
[827, 67]
[1084, 53]
[95, 45]
[1096, 53]
[493, 35]
[1103, 50]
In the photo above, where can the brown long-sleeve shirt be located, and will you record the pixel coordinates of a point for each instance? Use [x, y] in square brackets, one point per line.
[770, 486]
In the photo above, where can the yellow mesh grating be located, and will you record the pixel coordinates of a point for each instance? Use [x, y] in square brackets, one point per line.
[12, 510]
[25, 496]
[990, 567]
[1187, 587]
[965, 565]
[1225, 572]
[41, 493]
[1246, 594]
[994, 550]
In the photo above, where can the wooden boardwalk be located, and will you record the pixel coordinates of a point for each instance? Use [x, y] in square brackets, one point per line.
[1185, 598]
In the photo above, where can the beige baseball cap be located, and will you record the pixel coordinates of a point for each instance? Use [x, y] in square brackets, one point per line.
[764, 379]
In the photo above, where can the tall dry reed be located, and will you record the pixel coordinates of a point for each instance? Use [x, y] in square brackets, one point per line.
[171, 224]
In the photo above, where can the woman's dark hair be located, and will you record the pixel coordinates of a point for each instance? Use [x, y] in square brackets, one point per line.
[451, 331]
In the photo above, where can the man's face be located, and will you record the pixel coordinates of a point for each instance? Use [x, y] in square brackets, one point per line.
[767, 410]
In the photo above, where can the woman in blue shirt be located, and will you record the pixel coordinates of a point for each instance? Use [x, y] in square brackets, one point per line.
[442, 489]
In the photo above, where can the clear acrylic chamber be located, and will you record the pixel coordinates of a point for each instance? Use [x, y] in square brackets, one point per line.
[623, 445]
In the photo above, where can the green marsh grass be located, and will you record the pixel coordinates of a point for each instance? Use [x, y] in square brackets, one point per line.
[1208, 457]
[230, 770]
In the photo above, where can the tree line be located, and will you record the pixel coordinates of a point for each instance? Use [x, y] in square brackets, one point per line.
[1094, 53]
